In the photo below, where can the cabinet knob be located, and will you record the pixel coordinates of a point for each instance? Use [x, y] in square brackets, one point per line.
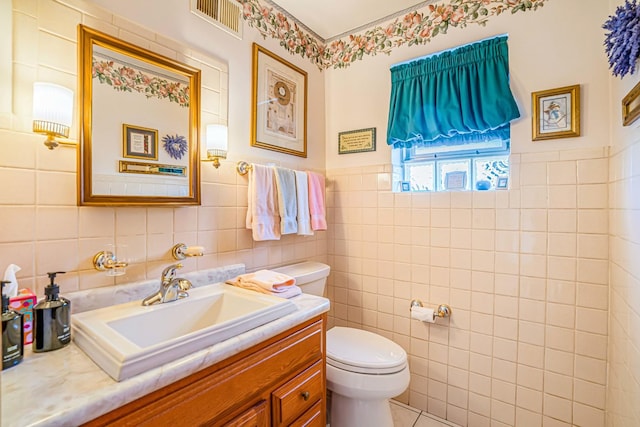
[305, 395]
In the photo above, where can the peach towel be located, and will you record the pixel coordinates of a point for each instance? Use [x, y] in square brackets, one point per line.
[262, 212]
[268, 280]
[288, 292]
[316, 201]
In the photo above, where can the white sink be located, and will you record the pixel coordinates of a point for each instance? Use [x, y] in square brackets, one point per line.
[128, 339]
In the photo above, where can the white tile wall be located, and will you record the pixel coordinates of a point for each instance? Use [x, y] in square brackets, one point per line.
[525, 271]
[623, 389]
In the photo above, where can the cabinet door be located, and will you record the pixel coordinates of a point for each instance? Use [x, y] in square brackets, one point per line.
[312, 418]
[256, 416]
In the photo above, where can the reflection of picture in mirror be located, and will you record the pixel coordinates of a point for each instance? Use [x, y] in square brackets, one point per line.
[175, 145]
[128, 90]
[139, 143]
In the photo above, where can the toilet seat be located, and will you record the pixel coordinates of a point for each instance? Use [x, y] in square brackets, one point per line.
[359, 351]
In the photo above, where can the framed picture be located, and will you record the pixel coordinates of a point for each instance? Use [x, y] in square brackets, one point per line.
[139, 142]
[406, 186]
[502, 183]
[631, 106]
[279, 109]
[357, 141]
[556, 113]
[455, 180]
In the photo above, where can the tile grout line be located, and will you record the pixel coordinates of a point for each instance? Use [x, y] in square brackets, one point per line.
[417, 418]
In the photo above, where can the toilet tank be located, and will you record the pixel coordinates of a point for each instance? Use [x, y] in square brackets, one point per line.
[311, 276]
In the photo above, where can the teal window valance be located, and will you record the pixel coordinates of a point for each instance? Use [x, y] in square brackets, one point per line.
[457, 97]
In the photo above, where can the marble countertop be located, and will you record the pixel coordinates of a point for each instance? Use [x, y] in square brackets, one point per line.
[65, 387]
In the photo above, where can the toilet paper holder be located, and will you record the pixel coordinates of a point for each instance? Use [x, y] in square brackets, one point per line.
[443, 310]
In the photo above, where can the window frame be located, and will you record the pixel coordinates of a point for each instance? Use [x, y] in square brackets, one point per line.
[409, 158]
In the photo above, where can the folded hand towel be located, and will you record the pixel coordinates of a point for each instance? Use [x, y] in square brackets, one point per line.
[304, 218]
[288, 292]
[287, 203]
[316, 201]
[270, 280]
[262, 214]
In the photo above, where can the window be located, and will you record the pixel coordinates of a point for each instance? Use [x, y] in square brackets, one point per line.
[449, 119]
[480, 168]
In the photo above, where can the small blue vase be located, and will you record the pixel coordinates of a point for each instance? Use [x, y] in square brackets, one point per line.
[483, 185]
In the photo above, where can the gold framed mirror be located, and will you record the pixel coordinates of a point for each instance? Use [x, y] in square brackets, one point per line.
[140, 125]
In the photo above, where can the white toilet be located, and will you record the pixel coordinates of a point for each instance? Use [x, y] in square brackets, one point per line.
[364, 369]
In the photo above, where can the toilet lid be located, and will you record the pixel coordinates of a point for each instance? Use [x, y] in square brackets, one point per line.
[361, 351]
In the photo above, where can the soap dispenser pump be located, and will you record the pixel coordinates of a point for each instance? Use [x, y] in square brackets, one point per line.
[12, 333]
[52, 319]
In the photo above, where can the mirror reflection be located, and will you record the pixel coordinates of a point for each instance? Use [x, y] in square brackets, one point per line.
[140, 121]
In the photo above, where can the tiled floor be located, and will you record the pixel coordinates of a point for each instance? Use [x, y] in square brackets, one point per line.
[406, 416]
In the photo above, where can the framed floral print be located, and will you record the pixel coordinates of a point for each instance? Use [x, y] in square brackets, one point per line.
[279, 104]
[556, 113]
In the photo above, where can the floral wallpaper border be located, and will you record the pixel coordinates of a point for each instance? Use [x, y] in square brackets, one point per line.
[124, 78]
[415, 28]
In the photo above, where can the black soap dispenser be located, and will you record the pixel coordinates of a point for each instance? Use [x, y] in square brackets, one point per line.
[12, 334]
[52, 319]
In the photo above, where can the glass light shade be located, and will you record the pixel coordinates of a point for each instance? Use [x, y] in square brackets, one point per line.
[217, 138]
[52, 112]
[52, 103]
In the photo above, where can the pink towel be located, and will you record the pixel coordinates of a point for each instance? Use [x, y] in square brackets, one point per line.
[262, 211]
[316, 201]
[302, 191]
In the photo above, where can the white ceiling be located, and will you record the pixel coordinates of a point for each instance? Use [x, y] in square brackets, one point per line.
[332, 18]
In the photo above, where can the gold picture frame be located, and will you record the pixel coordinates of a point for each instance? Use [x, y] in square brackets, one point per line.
[139, 142]
[556, 113]
[121, 83]
[279, 104]
[631, 106]
[357, 141]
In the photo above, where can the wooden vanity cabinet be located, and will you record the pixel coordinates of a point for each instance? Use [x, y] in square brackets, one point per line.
[279, 382]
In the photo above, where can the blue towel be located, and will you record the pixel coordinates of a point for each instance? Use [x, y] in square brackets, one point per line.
[287, 201]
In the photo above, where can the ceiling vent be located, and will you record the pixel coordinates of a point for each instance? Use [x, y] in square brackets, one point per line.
[224, 14]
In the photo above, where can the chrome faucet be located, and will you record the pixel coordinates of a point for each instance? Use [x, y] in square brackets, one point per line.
[171, 287]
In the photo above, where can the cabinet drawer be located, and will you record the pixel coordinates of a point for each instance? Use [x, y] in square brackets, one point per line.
[312, 418]
[298, 395]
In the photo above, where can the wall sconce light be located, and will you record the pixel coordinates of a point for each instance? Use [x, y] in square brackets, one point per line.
[216, 144]
[52, 112]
